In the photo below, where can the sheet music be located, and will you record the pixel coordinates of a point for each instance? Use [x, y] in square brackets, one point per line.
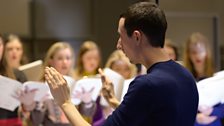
[117, 81]
[31, 68]
[42, 89]
[8, 90]
[211, 91]
[87, 84]
[10, 87]
[125, 88]
[70, 81]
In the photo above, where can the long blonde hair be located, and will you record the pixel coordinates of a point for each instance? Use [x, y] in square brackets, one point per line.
[85, 47]
[52, 51]
[119, 55]
[194, 39]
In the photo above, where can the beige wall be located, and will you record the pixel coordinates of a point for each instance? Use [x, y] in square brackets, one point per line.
[78, 20]
[184, 17]
[106, 18]
[187, 16]
[202, 8]
[14, 17]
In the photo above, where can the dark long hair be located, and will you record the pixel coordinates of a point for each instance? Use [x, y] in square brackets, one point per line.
[4, 69]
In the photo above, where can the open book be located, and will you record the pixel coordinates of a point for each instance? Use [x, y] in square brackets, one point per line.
[211, 90]
[86, 84]
[95, 82]
[31, 68]
[125, 88]
[9, 87]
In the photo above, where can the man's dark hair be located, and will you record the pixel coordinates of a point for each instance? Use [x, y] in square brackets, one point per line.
[148, 18]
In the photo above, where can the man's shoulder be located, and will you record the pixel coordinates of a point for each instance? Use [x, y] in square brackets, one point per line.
[141, 81]
[168, 70]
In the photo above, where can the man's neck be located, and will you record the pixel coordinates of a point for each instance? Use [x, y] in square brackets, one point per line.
[152, 56]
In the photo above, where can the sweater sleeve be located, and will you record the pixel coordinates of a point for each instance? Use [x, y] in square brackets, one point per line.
[218, 111]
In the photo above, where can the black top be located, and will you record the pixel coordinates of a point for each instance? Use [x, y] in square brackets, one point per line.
[166, 96]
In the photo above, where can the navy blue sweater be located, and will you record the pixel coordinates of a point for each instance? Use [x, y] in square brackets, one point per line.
[166, 96]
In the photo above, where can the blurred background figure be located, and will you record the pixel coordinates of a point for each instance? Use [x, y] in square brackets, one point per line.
[171, 49]
[88, 62]
[60, 56]
[121, 64]
[9, 118]
[1, 46]
[197, 58]
[47, 113]
[14, 51]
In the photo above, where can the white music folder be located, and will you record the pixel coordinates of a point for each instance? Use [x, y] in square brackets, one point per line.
[86, 84]
[211, 91]
[9, 88]
[32, 70]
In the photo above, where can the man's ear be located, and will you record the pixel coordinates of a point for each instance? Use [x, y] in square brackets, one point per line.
[137, 36]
